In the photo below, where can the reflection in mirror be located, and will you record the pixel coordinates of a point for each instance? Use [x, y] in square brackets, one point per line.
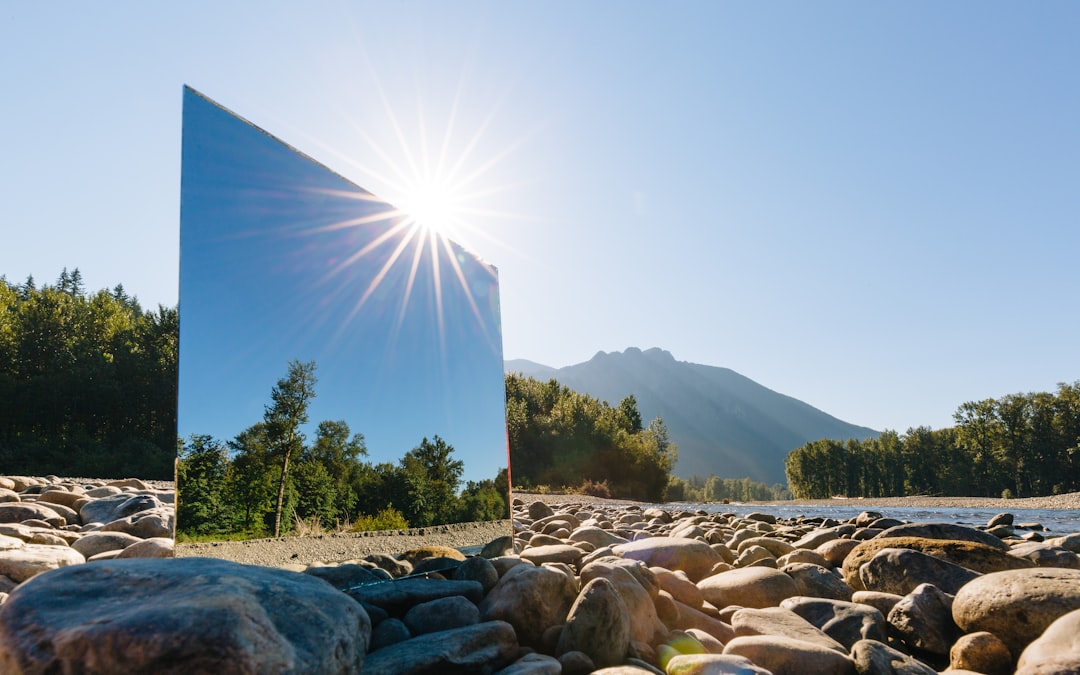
[329, 338]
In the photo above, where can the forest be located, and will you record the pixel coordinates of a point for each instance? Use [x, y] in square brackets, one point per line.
[1019, 445]
[270, 479]
[87, 381]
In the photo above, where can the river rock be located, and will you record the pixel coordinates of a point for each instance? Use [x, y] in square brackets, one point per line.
[29, 560]
[155, 547]
[845, 622]
[534, 664]
[900, 571]
[945, 531]
[1057, 650]
[398, 597]
[713, 664]
[454, 611]
[553, 553]
[787, 656]
[99, 542]
[598, 624]
[1043, 554]
[531, 599]
[981, 652]
[70, 516]
[388, 632]
[1017, 605]
[974, 556]
[19, 512]
[817, 581]
[876, 658]
[645, 624]
[692, 556]
[923, 619]
[480, 648]
[183, 615]
[596, 536]
[480, 570]
[780, 621]
[679, 586]
[538, 510]
[748, 587]
[155, 522]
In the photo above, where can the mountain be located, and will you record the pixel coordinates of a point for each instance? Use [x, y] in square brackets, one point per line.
[724, 423]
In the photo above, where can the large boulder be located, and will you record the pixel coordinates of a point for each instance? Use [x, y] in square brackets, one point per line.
[845, 622]
[1057, 650]
[598, 624]
[944, 531]
[182, 615]
[901, 570]
[531, 599]
[21, 563]
[1017, 606]
[974, 556]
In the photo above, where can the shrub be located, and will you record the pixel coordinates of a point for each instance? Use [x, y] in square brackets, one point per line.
[595, 489]
[386, 519]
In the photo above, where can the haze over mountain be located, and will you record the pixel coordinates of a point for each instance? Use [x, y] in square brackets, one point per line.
[724, 423]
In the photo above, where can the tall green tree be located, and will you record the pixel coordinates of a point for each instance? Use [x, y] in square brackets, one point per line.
[287, 412]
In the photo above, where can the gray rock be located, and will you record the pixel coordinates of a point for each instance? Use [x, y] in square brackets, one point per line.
[845, 622]
[18, 512]
[596, 536]
[155, 547]
[817, 581]
[1044, 554]
[713, 664]
[539, 509]
[576, 663]
[389, 632]
[598, 624]
[402, 594]
[480, 648]
[645, 624]
[346, 576]
[563, 553]
[531, 599]
[442, 614]
[70, 516]
[923, 619]
[112, 508]
[876, 658]
[181, 615]
[391, 565]
[1017, 605]
[901, 570]
[480, 570]
[533, 664]
[156, 522]
[497, 547]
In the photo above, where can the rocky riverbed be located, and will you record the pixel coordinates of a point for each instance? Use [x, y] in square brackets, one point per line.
[582, 586]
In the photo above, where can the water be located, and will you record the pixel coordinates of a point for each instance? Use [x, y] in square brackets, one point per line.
[1057, 522]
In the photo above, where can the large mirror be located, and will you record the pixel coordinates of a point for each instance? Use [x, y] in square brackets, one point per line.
[327, 336]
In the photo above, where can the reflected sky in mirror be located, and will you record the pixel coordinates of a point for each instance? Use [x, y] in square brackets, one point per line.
[282, 260]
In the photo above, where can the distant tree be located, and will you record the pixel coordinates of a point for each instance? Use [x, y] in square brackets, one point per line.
[431, 478]
[288, 410]
[201, 470]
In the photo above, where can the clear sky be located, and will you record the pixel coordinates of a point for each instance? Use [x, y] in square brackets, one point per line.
[872, 207]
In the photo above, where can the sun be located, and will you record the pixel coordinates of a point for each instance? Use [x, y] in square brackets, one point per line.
[434, 206]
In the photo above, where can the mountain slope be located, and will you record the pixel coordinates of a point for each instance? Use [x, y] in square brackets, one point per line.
[724, 423]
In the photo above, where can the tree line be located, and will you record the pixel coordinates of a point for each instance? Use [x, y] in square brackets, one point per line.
[1019, 445]
[270, 478]
[718, 489]
[87, 381]
[562, 438]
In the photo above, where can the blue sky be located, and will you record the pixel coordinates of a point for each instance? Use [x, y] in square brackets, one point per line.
[870, 207]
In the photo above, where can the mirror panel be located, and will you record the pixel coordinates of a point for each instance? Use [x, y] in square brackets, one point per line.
[283, 261]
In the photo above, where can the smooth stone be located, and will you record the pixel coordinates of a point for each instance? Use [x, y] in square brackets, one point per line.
[563, 553]
[99, 542]
[389, 564]
[973, 556]
[480, 570]
[692, 556]
[882, 602]
[644, 575]
[753, 587]
[981, 652]
[845, 622]
[454, 611]
[923, 619]
[47, 539]
[347, 575]
[901, 570]
[30, 560]
[398, 596]
[1057, 650]
[877, 658]
[415, 555]
[156, 522]
[945, 531]
[598, 624]
[191, 615]
[480, 648]
[533, 664]
[679, 586]
[155, 547]
[817, 581]
[18, 512]
[69, 515]
[1042, 554]
[495, 548]
[388, 632]
[1017, 605]
[787, 656]
[713, 664]
[803, 555]
[7, 542]
[539, 509]
[119, 506]
[576, 663]
[531, 599]
[596, 536]
[784, 622]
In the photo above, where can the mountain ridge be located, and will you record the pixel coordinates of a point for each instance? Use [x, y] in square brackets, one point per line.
[723, 422]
